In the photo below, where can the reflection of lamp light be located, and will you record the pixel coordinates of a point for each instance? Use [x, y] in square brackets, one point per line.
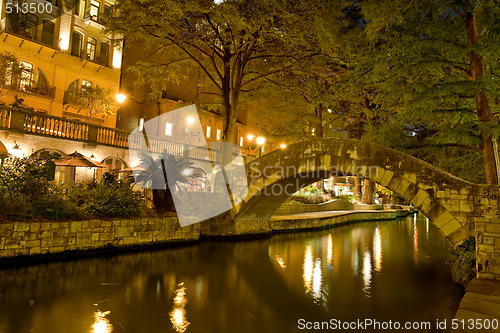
[250, 137]
[16, 146]
[190, 121]
[120, 98]
[187, 172]
[283, 146]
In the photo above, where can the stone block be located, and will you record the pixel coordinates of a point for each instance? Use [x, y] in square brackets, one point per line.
[386, 178]
[84, 239]
[21, 226]
[458, 236]
[75, 227]
[56, 249]
[34, 251]
[33, 243]
[465, 206]
[492, 227]
[420, 198]
[443, 219]
[124, 231]
[35, 227]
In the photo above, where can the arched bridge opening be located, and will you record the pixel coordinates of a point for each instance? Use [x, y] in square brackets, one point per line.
[452, 204]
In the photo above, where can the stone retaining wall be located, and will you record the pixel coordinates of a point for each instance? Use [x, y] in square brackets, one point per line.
[35, 238]
[41, 238]
[294, 208]
[320, 223]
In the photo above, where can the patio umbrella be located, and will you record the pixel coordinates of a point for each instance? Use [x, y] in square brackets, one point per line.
[78, 160]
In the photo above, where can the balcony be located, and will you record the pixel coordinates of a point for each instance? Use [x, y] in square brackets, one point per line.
[42, 91]
[29, 122]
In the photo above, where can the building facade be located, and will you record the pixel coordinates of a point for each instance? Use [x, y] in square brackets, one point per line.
[61, 49]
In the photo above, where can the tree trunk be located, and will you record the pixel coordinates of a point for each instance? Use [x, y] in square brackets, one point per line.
[357, 186]
[318, 125]
[489, 149]
[368, 190]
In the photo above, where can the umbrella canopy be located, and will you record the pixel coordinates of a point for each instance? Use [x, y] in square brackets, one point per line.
[78, 160]
[3, 150]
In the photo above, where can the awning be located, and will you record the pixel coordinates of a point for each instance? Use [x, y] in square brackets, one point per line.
[78, 160]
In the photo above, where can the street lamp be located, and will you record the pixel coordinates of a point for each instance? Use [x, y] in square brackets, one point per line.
[120, 98]
[250, 137]
[260, 142]
[283, 146]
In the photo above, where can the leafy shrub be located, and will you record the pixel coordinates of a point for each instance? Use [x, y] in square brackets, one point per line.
[309, 195]
[108, 199]
[57, 207]
[463, 262]
[26, 193]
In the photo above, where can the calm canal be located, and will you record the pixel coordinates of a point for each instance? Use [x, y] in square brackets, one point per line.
[390, 270]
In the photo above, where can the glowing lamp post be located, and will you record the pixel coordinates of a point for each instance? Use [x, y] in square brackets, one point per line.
[260, 143]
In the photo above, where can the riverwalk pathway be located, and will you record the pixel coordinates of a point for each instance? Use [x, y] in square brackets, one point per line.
[481, 301]
[325, 214]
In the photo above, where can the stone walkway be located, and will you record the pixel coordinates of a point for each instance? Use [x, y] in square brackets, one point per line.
[481, 301]
[325, 214]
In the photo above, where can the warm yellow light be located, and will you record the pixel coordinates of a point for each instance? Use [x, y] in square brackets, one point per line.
[283, 146]
[250, 137]
[261, 140]
[117, 57]
[190, 120]
[64, 40]
[120, 98]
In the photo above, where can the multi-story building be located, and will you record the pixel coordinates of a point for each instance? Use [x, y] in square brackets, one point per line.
[61, 48]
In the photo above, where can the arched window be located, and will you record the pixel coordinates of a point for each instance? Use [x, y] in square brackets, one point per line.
[115, 164]
[41, 84]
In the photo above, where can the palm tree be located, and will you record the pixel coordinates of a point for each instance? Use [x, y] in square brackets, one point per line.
[152, 173]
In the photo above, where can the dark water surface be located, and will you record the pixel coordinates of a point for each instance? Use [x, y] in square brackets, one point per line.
[390, 270]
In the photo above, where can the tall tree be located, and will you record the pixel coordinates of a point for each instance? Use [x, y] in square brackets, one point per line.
[436, 64]
[236, 44]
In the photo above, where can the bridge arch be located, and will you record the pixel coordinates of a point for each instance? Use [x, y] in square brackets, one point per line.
[449, 202]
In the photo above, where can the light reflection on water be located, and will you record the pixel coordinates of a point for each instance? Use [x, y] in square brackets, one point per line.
[178, 313]
[392, 270]
[101, 323]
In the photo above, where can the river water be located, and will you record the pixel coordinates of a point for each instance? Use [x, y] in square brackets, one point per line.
[384, 271]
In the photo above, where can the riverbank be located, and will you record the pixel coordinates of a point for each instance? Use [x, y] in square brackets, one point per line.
[34, 241]
[479, 306]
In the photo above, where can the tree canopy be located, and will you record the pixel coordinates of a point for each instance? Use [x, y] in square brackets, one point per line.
[238, 45]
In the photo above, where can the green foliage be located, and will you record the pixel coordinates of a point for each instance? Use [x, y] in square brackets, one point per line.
[151, 174]
[108, 199]
[26, 192]
[349, 198]
[309, 195]
[237, 45]
[96, 101]
[463, 262]
[434, 78]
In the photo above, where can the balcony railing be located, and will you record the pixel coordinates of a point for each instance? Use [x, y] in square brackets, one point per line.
[29, 122]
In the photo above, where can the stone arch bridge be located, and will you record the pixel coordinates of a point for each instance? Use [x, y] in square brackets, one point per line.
[458, 208]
